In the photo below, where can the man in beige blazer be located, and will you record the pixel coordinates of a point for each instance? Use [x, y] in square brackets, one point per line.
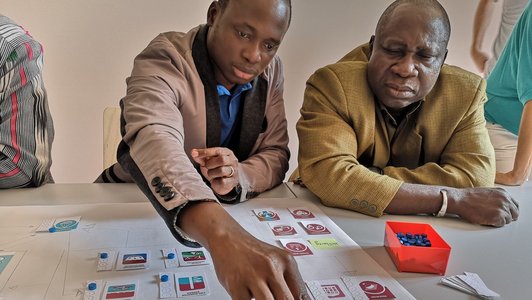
[203, 120]
[391, 129]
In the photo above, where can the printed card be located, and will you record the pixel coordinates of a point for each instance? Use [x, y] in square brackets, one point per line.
[328, 289]
[133, 260]
[193, 257]
[106, 260]
[191, 284]
[93, 290]
[314, 227]
[372, 287]
[166, 286]
[301, 213]
[121, 291]
[280, 229]
[323, 244]
[170, 258]
[297, 247]
[66, 224]
[266, 214]
[5, 258]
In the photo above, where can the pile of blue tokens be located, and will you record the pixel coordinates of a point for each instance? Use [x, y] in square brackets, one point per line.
[410, 239]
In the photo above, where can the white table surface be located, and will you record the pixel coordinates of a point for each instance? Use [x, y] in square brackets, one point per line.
[501, 256]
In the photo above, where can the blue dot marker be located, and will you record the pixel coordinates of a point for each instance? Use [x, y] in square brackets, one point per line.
[104, 255]
[164, 278]
[92, 286]
[52, 229]
[171, 255]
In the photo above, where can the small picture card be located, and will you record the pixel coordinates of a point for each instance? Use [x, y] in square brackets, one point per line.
[166, 286]
[266, 214]
[193, 257]
[373, 287]
[121, 291]
[66, 224]
[301, 213]
[170, 258]
[328, 289]
[93, 290]
[5, 258]
[191, 284]
[133, 260]
[314, 227]
[325, 243]
[280, 229]
[297, 247]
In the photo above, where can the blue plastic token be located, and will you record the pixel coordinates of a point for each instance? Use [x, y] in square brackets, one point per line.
[104, 255]
[171, 255]
[92, 286]
[164, 278]
[52, 229]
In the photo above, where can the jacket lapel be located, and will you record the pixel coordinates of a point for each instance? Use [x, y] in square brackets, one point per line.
[253, 120]
[206, 73]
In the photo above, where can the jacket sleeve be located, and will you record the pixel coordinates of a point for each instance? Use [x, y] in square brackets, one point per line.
[153, 133]
[26, 129]
[328, 162]
[268, 164]
[468, 159]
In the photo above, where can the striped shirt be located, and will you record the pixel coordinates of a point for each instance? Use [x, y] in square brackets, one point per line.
[26, 127]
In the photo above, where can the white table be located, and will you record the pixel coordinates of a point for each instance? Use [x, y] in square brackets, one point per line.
[501, 256]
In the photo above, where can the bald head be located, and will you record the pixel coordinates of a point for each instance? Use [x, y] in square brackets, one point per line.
[288, 3]
[433, 8]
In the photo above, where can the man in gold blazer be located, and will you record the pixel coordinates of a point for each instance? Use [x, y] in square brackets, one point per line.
[391, 129]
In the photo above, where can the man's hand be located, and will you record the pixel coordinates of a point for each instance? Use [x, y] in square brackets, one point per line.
[245, 266]
[484, 206]
[220, 166]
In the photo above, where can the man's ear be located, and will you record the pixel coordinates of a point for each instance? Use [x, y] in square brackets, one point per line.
[213, 12]
[371, 42]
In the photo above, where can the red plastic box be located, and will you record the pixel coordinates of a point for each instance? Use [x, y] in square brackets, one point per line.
[413, 258]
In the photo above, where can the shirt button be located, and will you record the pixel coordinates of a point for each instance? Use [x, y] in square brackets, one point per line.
[165, 190]
[169, 196]
[155, 181]
[158, 187]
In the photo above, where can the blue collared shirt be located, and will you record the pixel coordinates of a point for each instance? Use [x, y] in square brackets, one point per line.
[229, 108]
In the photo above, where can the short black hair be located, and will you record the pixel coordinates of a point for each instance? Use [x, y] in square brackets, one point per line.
[433, 5]
[223, 5]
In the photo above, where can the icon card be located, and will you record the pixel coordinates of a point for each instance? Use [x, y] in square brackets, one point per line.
[66, 224]
[282, 229]
[93, 290]
[133, 260]
[121, 291]
[191, 284]
[301, 213]
[372, 287]
[297, 247]
[314, 227]
[170, 258]
[193, 257]
[266, 214]
[166, 286]
[328, 289]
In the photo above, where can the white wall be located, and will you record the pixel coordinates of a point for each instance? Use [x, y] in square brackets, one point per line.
[90, 46]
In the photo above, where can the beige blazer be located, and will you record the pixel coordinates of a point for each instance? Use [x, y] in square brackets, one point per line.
[171, 94]
[340, 136]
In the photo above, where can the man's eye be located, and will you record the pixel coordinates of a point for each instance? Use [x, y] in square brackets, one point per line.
[243, 35]
[269, 46]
